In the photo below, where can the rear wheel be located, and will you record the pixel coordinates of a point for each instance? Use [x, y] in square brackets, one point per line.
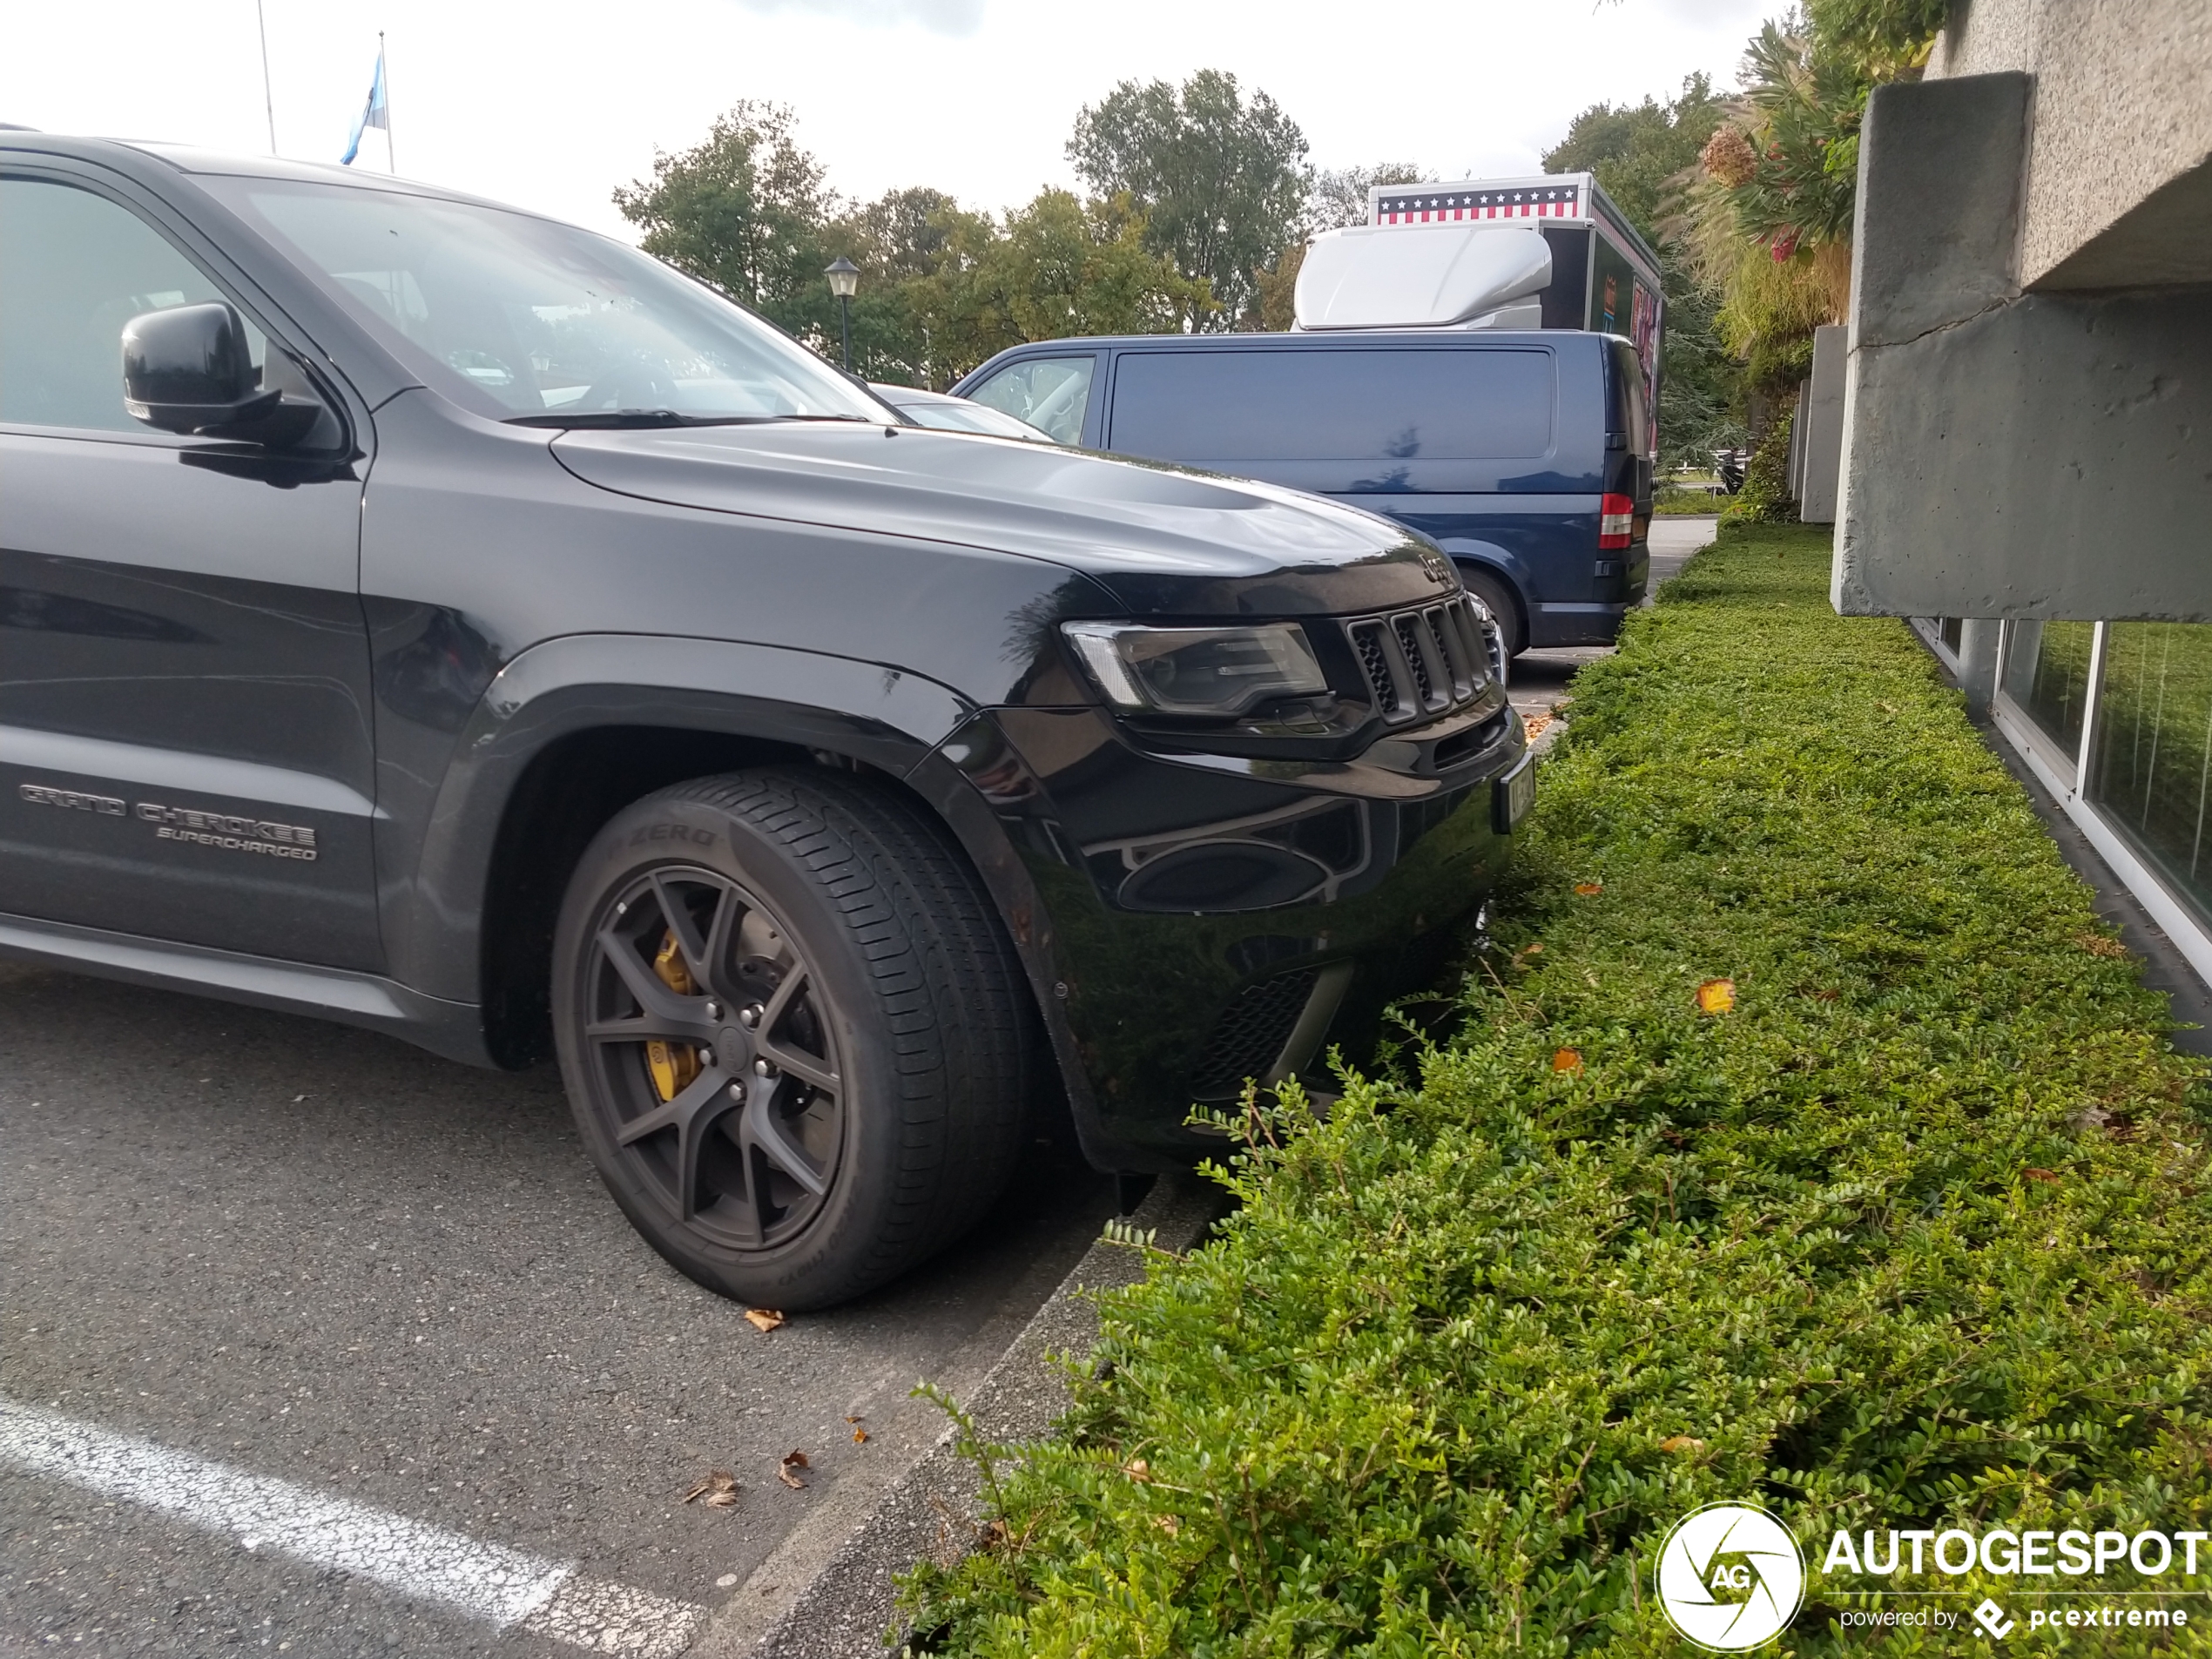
[793, 1033]
[1495, 594]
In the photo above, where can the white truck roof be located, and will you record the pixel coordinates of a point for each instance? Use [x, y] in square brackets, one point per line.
[1448, 275]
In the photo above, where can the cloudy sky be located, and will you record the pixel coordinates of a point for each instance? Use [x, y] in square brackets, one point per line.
[551, 105]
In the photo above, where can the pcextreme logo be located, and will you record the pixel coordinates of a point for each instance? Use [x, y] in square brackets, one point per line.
[1729, 1577]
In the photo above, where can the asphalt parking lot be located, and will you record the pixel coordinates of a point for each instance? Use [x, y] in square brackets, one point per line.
[264, 1246]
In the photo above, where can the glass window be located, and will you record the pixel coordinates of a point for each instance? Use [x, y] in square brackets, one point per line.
[2046, 673]
[1048, 392]
[2152, 761]
[527, 318]
[1221, 406]
[74, 268]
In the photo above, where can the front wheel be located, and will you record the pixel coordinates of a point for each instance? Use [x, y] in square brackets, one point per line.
[1498, 597]
[794, 1035]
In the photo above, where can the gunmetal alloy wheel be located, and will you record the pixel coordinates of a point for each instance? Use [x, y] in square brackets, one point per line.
[796, 1037]
[711, 1047]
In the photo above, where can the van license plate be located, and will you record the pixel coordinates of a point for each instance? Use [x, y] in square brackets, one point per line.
[1516, 794]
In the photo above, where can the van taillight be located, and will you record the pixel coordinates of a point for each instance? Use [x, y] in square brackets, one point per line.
[1616, 520]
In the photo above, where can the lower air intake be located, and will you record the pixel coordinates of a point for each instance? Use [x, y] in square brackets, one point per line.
[1251, 1033]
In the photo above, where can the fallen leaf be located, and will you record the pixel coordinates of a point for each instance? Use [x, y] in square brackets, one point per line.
[1536, 724]
[859, 1436]
[856, 1418]
[1716, 996]
[2050, 1177]
[1588, 889]
[2098, 945]
[1167, 1524]
[1566, 1060]
[762, 1319]
[1532, 950]
[792, 1460]
[719, 1489]
[1682, 1443]
[1137, 1469]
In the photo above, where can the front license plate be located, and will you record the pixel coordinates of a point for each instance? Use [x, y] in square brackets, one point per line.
[1516, 794]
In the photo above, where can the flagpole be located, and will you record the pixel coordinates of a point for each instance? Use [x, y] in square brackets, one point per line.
[391, 156]
[268, 98]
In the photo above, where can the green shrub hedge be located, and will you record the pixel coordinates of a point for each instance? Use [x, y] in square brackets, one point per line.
[1915, 1232]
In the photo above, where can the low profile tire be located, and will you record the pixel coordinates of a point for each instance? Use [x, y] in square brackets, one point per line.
[1498, 597]
[795, 1035]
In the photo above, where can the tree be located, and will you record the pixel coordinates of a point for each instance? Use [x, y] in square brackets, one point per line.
[1339, 198]
[1056, 267]
[744, 211]
[1640, 151]
[1641, 155]
[899, 241]
[1221, 182]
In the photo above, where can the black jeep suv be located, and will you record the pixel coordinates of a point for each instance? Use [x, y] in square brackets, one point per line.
[433, 616]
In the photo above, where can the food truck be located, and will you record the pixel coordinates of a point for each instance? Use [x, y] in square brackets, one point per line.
[1550, 252]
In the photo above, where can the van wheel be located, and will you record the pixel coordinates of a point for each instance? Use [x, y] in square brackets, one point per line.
[796, 1039]
[1498, 597]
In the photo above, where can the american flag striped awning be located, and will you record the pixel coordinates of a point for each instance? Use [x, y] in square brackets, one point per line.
[1432, 205]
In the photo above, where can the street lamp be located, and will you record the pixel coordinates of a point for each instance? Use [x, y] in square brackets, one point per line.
[845, 280]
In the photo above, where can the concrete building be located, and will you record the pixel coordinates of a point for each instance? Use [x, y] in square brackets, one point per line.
[2028, 418]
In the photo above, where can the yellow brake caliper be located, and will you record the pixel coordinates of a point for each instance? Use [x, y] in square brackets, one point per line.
[674, 1065]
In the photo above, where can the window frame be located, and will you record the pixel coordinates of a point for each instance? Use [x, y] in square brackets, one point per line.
[228, 279]
[1087, 434]
[2067, 778]
[1472, 342]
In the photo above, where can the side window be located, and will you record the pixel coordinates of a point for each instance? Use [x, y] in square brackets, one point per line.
[74, 268]
[1334, 404]
[1050, 392]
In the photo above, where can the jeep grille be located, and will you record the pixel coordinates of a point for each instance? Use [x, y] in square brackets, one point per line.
[1423, 662]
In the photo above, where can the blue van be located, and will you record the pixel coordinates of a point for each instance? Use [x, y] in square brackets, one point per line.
[1523, 455]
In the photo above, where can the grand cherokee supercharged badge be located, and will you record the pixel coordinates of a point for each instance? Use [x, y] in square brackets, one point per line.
[232, 833]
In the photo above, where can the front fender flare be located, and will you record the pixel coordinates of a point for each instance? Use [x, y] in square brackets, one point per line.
[885, 718]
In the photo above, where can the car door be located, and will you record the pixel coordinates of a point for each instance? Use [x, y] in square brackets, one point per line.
[184, 730]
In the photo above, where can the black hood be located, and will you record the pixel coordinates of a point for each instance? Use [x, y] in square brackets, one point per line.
[1160, 539]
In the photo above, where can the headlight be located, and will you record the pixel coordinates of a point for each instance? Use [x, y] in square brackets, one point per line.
[1217, 671]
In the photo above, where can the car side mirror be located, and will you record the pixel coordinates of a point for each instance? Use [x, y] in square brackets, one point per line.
[188, 369]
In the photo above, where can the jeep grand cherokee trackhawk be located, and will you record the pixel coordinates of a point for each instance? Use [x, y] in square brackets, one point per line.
[435, 618]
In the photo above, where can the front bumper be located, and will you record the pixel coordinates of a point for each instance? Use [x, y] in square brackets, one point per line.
[1210, 918]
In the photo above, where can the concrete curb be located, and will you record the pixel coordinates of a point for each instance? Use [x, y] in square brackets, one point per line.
[845, 1609]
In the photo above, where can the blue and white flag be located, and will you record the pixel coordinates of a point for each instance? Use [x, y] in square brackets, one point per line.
[374, 113]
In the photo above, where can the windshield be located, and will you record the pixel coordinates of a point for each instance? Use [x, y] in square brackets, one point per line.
[525, 319]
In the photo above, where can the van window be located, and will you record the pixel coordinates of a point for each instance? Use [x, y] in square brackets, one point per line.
[1049, 393]
[1450, 404]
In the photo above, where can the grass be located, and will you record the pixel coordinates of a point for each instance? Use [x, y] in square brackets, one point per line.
[1913, 1233]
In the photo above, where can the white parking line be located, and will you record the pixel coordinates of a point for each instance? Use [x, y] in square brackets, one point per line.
[504, 1587]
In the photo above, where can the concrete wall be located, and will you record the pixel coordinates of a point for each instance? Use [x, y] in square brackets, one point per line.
[1818, 438]
[2028, 417]
[2119, 191]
